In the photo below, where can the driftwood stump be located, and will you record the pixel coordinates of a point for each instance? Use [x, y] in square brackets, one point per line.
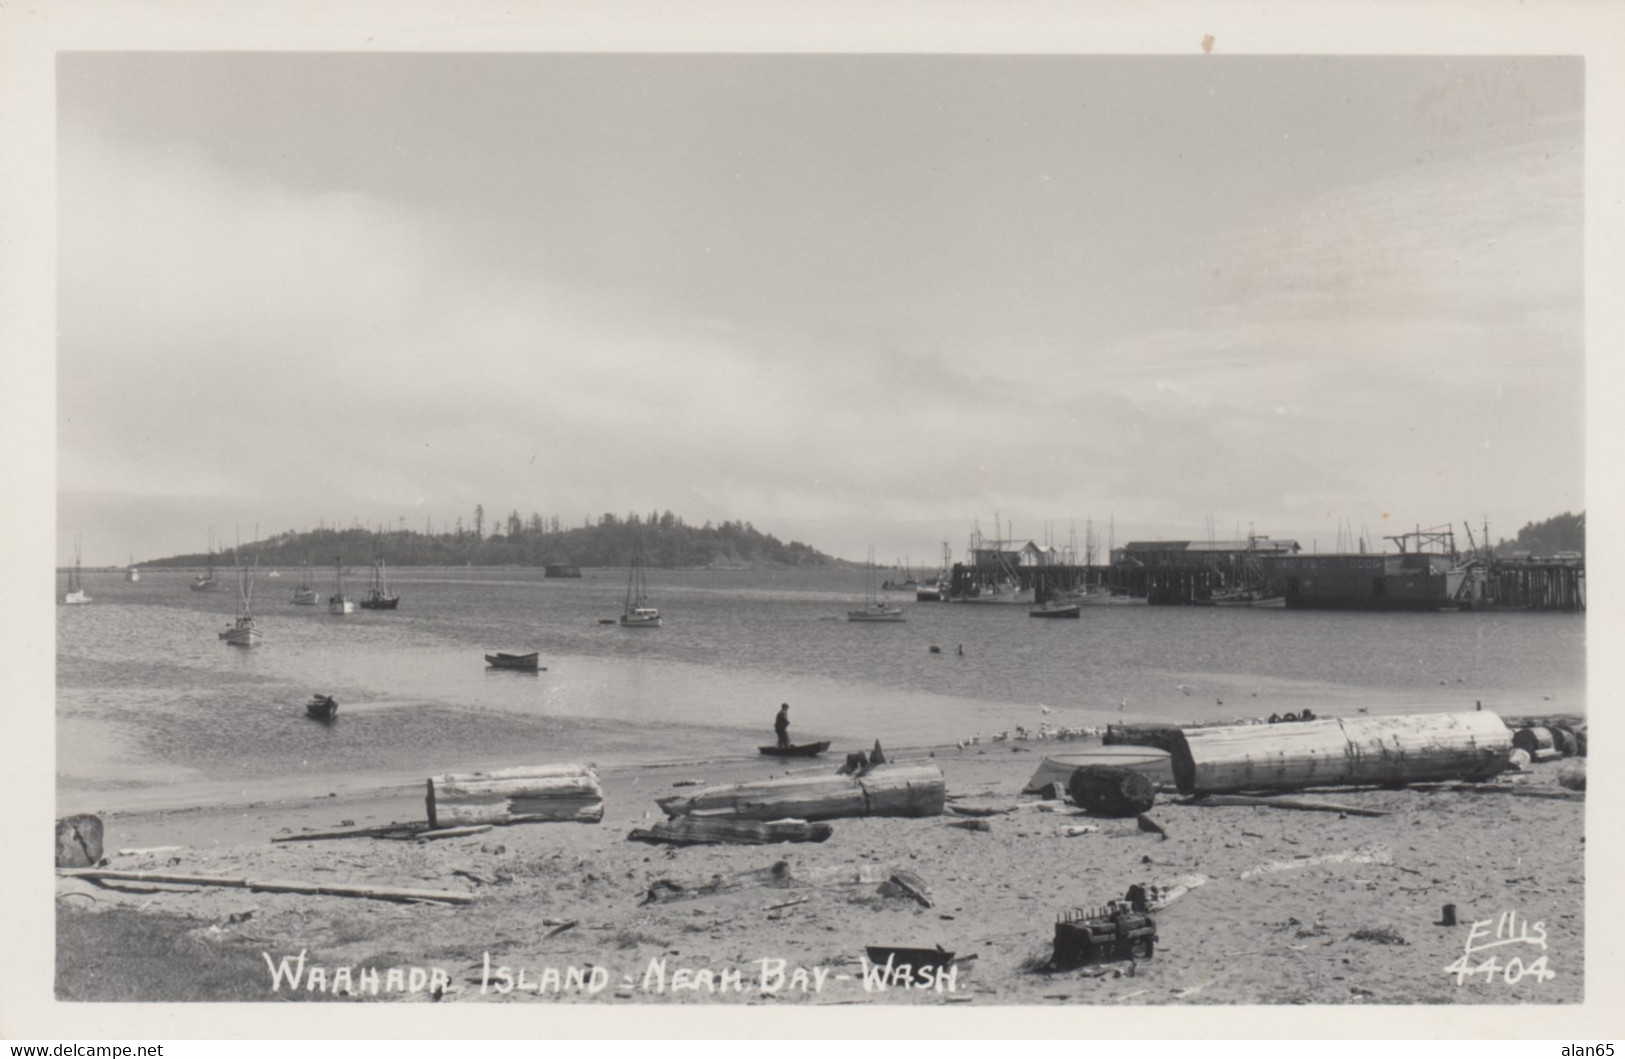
[78, 841]
[1106, 790]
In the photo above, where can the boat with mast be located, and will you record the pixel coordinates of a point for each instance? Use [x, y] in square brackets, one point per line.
[243, 632]
[208, 582]
[637, 613]
[379, 597]
[875, 609]
[132, 573]
[76, 590]
[338, 602]
[304, 595]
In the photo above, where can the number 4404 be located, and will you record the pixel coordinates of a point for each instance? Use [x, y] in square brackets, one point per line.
[1513, 970]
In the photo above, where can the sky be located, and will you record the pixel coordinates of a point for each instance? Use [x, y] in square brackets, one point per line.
[855, 300]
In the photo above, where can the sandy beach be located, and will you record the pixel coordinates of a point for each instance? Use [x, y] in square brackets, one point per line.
[1282, 907]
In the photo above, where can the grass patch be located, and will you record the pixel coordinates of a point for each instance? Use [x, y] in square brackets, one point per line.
[123, 955]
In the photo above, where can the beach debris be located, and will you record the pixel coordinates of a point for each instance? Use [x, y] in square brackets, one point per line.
[689, 783]
[884, 790]
[1304, 804]
[1113, 931]
[78, 841]
[1447, 916]
[787, 904]
[1376, 854]
[1504, 788]
[982, 810]
[907, 884]
[1154, 763]
[1150, 826]
[700, 830]
[324, 708]
[148, 851]
[1341, 752]
[1075, 830]
[1572, 775]
[857, 763]
[525, 794]
[1519, 760]
[1106, 790]
[877, 756]
[1154, 897]
[666, 889]
[1538, 742]
[1379, 935]
[392, 830]
[452, 832]
[972, 825]
[377, 893]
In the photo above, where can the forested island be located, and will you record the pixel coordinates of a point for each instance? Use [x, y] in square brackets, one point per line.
[660, 539]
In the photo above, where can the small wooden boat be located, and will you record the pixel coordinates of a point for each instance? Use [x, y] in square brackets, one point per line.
[322, 708]
[795, 750]
[76, 590]
[501, 660]
[875, 609]
[243, 632]
[1056, 610]
[338, 602]
[638, 614]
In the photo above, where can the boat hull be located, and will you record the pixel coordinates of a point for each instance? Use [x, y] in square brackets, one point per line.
[1067, 611]
[642, 618]
[878, 613]
[242, 637]
[322, 708]
[205, 584]
[76, 597]
[306, 597]
[795, 750]
[506, 661]
[341, 605]
[381, 603]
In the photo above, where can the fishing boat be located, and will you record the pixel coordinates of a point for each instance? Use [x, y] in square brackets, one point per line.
[1246, 597]
[208, 582]
[637, 614]
[1055, 608]
[795, 749]
[338, 602]
[379, 597]
[874, 609]
[76, 590]
[322, 708]
[243, 632]
[304, 595]
[500, 660]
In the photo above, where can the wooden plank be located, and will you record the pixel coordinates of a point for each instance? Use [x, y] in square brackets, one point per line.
[1280, 803]
[379, 893]
[692, 831]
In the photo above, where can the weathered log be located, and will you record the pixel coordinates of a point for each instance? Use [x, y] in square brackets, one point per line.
[1106, 790]
[1280, 803]
[1341, 752]
[1154, 734]
[411, 830]
[695, 831]
[1537, 742]
[907, 884]
[1564, 739]
[78, 841]
[380, 893]
[888, 790]
[671, 890]
[527, 794]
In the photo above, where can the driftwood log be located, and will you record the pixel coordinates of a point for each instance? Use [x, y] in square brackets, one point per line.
[887, 790]
[379, 893]
[1156, 734]
[704, 830]
[1341, 752]
[1538, 742]
[527, 794]
[1106, 790]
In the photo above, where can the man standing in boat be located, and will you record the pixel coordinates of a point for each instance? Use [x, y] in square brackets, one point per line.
[781, 726]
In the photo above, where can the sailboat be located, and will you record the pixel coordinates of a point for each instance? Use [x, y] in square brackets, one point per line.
[208, 582]
[379, 597]
[637, 614]
[132, 573]
[875, 610]
[338, 602]
[243, 632]
[304, 595]
[76, 590]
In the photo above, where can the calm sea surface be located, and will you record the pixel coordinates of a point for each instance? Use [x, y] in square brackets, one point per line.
[151, 704]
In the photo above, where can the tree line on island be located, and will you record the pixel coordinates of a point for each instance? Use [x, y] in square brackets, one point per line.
[660, 539]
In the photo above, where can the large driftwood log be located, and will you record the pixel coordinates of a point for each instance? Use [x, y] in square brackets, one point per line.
[380, 893]
[700, 830]
[889, 790]
[1109, 791]
[527, 794]
[1281, 803]
[1538, 742]
[1157, 734]
[1341, 752]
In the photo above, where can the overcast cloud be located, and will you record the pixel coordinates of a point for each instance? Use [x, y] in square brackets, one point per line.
[853, 300]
